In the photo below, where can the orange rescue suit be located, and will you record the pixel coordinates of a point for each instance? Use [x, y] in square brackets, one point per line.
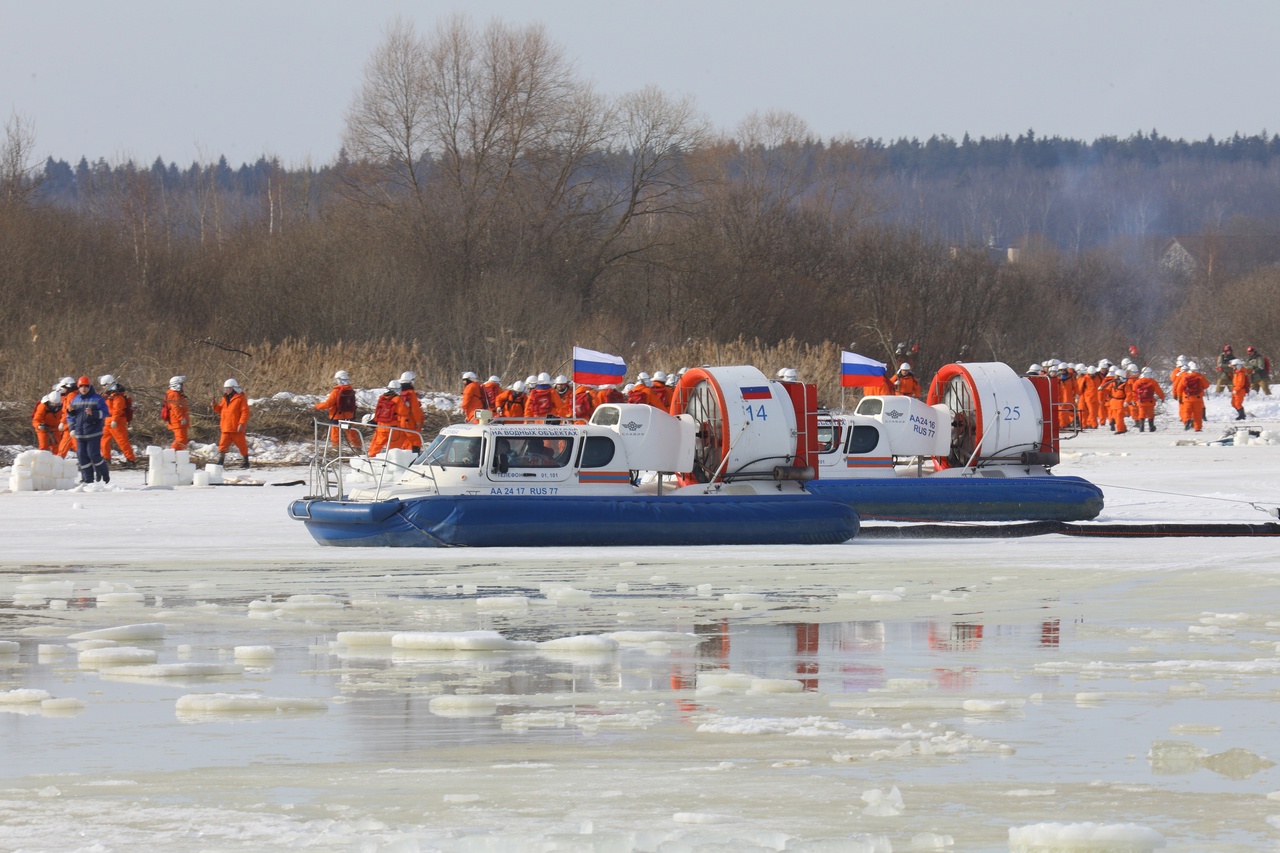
[176, 413]
[338, 412]
[233, 411]
[473, 400]
[119, 413]
[409, 418]
[510, 404]
[1192, 385]
[1145, 392]
[905, 385]
[45, 421]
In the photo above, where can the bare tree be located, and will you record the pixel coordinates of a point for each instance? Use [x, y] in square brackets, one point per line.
[18, 180]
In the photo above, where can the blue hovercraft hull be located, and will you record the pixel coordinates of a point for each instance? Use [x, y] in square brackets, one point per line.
[483, 521]
[919, 499]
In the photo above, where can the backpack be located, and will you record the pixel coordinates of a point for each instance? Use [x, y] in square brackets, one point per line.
[128, 409]
[164, 413]
[1143, 393]
[1266, 366]
[347, 401]
[1192, 384]
[385, 411]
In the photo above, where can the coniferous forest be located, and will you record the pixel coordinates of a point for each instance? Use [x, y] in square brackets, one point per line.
[492, 217]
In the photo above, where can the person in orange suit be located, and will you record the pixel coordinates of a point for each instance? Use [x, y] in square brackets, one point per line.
[385, 416]
[45, 420]
[539, 403]
[233, 419]
[120, 415]
[1069, 412]
[1114, 392]
[511, 401]
[1193, 385]
[1090, 406]
[409, 416]
[341, 406]
[561, 397]
[176, 412]
[661, 391]
[584, 402]
[607, 394]
[1145, 391]
[473, 398]
[1239, 386]
[66, 441]
[904, 382]
[642, 391]
[492, 388]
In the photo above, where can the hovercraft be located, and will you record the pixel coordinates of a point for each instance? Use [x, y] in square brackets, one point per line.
[621, 479]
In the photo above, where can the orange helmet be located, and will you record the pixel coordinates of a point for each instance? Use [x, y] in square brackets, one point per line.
[83, 380]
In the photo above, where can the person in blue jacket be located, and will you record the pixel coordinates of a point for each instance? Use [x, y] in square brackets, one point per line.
[86, 413]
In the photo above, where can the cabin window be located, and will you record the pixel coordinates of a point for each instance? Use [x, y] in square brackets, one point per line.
[870, 406]
[598, 452]
[454, 451]
[828, 437]
[863, 438]
[536, 451]
[606, 416]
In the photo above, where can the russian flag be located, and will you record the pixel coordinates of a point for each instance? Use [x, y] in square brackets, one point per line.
[858, 371]
[597, 368]
[755, 392]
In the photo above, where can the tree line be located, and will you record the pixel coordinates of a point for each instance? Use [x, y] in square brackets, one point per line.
[491, 210]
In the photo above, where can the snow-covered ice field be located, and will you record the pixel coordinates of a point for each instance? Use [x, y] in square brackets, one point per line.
[184, 669]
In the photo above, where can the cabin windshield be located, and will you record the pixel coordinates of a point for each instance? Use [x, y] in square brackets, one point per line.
[453, 451]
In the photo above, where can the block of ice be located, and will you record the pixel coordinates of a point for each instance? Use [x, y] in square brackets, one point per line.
[125, 633]
[110, 656]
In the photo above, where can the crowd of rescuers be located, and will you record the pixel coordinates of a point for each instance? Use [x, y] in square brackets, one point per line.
[77, 418]
[1114, 395]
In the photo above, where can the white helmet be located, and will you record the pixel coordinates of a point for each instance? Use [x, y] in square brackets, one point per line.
[672, 380]
[561, 380]
[1035, 368]
[660, 376]
[1191, 365]
[1236, 362]
[394, 385]
[408, 376]
[231, 383]
[495, 379]
[1182, 359]
[1079, 368]
[1147, 371]
[518, 386]
[342, 378]
[52, 397]
[469, 375]
[530, 380]
[544, 378]
[904, 366]
[1125, 362]
[106, 380]
[176, 382]
[67, 382]
[1104, 362]
[626, 389]
[791, 375]
[1092, 369]
[645, 378]
[1131, 368]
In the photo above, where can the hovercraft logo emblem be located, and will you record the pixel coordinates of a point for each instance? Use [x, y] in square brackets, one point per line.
[894, 414]
[632, 426]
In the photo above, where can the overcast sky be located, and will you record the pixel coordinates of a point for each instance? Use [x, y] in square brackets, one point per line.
[190, 81]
